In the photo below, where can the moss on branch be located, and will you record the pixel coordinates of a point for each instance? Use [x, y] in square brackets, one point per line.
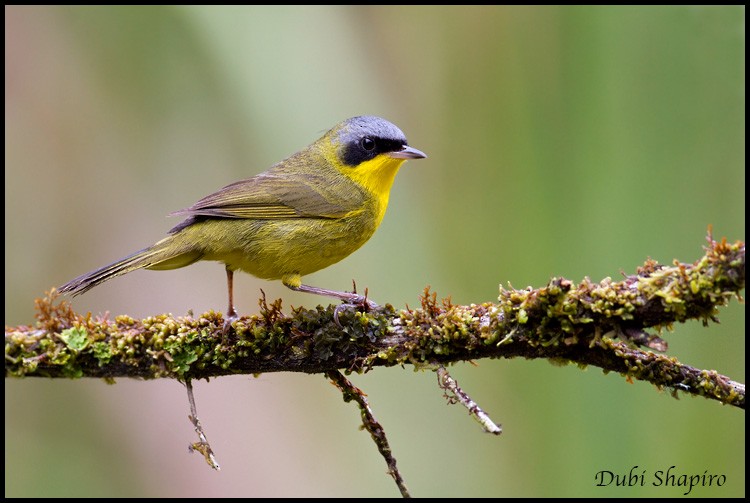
[600, 324]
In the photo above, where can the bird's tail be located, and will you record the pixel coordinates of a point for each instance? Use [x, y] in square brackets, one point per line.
[163, 255]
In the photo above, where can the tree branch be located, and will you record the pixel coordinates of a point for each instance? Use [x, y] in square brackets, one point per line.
[562, 322]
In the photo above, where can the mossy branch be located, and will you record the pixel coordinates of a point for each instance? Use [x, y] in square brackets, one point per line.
[562, 321]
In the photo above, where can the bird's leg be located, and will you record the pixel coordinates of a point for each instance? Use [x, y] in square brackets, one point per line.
[348, 297]
[294, 282]
[231, 313]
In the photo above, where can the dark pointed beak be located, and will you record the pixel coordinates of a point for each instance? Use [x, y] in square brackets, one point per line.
[408, 152]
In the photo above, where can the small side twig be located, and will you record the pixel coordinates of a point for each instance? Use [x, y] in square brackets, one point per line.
[457, 395]
[202, 444]
[371, 424]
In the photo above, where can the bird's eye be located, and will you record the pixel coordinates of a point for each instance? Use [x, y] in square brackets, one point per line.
[368, 143]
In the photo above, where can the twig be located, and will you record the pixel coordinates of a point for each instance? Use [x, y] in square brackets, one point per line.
[457, 395]
[371, 424]
[202, 445]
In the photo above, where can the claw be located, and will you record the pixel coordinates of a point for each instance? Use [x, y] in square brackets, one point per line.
[336, 311]
[230, 318]
[355, 301]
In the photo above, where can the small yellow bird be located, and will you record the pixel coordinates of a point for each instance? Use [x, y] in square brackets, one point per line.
[305, 213]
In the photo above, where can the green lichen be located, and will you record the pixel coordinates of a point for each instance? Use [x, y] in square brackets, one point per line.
[102, 352]
[75, 338]
[179, 351]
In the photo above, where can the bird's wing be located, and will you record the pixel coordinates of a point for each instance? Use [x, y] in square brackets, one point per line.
[273, 195]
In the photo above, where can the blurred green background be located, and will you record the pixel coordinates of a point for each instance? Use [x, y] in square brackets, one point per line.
[562, 141]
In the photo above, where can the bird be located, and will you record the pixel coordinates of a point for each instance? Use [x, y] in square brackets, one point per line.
[303, 214]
